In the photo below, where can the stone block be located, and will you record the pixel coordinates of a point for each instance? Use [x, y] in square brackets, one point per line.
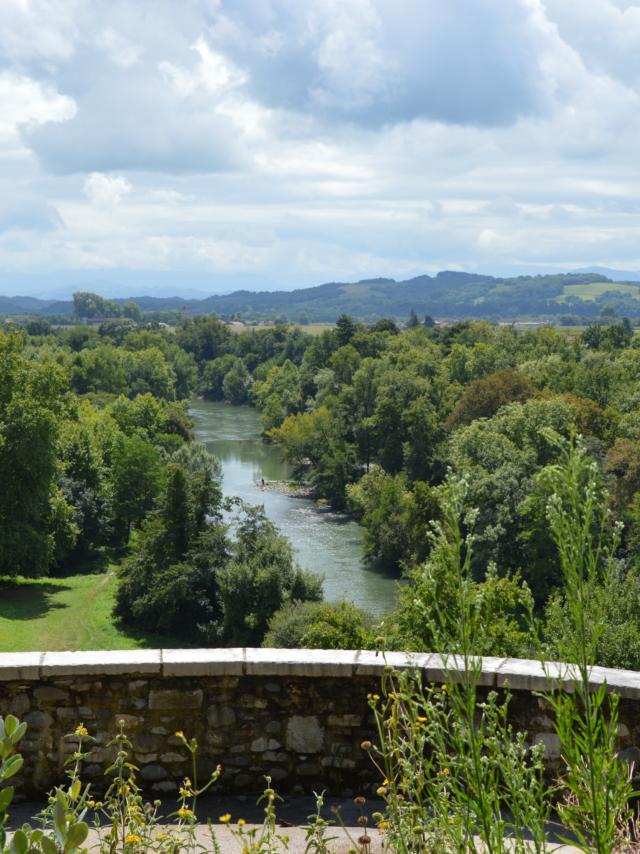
[552, 744]
[203, 662]
[220, 716]
[277, 774]
[304, 734]
[259, 745]
[175, 699]
[38, 720]
[50, 694]
[129, 722]
[173, 758]
[153, 773]
[20, 665]
[344, 720]
[299, 662]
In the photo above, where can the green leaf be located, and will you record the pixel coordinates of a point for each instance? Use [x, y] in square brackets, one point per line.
[77, 834]
[19, 843]
[10, 724]
[10, 767]
[6, 796]
[18, 732]
[60, 815]
[48, 845]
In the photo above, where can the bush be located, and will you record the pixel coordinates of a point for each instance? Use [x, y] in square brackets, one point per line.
[320, 625]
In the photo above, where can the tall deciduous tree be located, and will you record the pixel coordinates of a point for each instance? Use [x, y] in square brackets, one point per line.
[32, 511]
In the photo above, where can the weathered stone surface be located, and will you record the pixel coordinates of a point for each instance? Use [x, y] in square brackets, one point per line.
[20, 665]
[153, 773]
[172, 758]
[219, 716]
[277, 774]
[344, 720]
[552, 744]
[304, 734]
[38, 720]
[172, 699]
[50, 694]
[301, 725]
[259, 745]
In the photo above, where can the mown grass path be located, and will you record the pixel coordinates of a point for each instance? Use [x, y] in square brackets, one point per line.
[69, 613]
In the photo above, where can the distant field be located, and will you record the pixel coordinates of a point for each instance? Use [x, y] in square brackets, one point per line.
[310, 328]
[71, 613]
[596, 289]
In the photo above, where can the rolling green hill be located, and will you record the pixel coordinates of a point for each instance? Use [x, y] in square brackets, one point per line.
[448, 295]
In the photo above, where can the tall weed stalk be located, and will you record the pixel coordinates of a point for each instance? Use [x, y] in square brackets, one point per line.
[597, 786]
[456, 775]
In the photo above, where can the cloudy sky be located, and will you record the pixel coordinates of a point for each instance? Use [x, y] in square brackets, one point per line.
[298, 141]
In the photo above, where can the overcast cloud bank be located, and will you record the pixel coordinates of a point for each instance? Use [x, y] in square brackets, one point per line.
[319, 139]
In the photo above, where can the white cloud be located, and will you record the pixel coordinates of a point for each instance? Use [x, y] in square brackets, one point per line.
[106, 190]
[120, 50]
[27, 102]
[325, 137]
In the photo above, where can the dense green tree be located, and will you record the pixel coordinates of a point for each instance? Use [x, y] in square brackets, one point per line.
[213, 374]
[259, 580]
[237, 383]
[33, 512]
[482, 398]
[137, 478]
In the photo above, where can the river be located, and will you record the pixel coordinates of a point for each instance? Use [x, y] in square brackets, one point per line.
[325, 542]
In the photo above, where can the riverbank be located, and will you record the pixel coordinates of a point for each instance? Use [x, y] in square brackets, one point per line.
[292, 489]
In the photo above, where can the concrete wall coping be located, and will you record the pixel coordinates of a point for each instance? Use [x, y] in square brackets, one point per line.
[518, 674]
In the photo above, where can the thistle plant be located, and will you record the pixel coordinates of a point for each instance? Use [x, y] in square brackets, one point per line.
[597, 786]
[453, 768]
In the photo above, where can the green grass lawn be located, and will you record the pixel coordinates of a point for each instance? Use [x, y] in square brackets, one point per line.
[69, 613]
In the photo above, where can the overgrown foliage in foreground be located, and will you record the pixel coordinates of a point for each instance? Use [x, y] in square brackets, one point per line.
[455, 777]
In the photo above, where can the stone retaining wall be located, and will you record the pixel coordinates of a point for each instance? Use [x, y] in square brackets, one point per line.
[297, 715]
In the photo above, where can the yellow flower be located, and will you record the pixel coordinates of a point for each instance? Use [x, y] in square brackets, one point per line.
[81, 730]
[185, 812]
[381, 791]
[133, 839]
[444, 687]
[225, 819]
[383, 825]
[179, 734]
[241, 822]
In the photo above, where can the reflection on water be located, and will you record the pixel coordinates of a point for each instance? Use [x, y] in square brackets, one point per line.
[325, 542]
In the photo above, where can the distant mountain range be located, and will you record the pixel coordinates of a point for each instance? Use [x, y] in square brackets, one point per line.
[447, 295]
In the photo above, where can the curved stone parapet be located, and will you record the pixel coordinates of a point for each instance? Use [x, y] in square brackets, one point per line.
[297, 715]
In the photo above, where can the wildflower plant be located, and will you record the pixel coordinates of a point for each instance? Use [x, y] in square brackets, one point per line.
[596, 785]
[453, 769]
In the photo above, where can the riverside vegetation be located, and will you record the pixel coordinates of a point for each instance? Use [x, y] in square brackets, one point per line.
[98, 464]
[453, 775]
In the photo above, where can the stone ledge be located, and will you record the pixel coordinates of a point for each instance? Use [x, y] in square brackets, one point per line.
[518, 674]
[203, 662]
[108, 663]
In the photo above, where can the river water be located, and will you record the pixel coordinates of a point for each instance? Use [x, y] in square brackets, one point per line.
[325, 542]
